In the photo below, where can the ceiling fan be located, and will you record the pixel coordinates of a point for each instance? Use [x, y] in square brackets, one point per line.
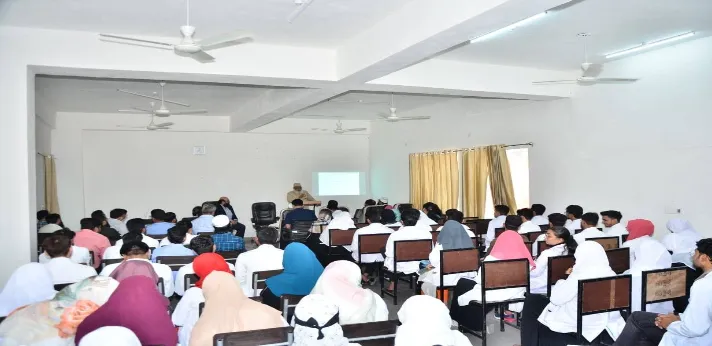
[152, 126]
[302, 5]
[393, 116]
[590, 71]
[340, 130]
[162, 111]
[188, 46]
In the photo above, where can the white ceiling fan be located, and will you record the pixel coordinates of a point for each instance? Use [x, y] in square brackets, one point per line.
[152, 126]
[302, 5]
[340, 129]
[162, 111]
[590, 72]
[393, 116]
[189, 46]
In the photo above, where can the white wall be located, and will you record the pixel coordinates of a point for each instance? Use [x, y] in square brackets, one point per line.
[642, 148]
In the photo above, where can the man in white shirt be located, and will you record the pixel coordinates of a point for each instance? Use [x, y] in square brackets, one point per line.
[63, 269]
[79, 254]
[200, 245]
[588, 224]
[138, 251]
[611, 222]
[183, 224]
[267, 256]
[117, 217]
[500, 214]
[539, 219]
[409, 218]
[373, 218]
[54, 224]
[204, 222]
[573, 213]
[456, 215]
[527, 225]
[138, 226]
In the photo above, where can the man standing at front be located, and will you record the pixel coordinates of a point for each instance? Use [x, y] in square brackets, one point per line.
[298, 193]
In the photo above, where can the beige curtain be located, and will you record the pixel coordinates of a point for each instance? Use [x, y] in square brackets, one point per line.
[434, 177]
[475, 173]
[500, 177]
[51, 201]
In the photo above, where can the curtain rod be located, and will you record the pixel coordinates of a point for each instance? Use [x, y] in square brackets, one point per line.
[529, 144]
[44, 155]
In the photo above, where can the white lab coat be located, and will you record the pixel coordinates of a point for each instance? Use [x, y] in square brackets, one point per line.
[118, 225]
[165, 241]
[694, 327]
[683, 238]
[538, 277]
[374, 228]
[162, 270]
[572, 226]
[475, 294]
[540, 220]
[635, 244]
[79, 255]
[433, 276]
[65, 271]
[588, 233]
[649, 255]
[342, 220]
[264, 257]
[528, 227]
[617, 230]
[497, 222]
[179, 285]
[405, 233]
[187, 313]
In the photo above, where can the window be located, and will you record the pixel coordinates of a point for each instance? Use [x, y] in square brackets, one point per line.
[519, 168]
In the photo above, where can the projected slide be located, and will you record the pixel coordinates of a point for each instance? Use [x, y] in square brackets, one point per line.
[339, 183]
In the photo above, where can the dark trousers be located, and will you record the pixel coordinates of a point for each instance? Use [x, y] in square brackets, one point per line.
[469, 316]
[269, 299]
[640, 330]
[549, 337]
[534, 305]
[337, 253]
[239, 229]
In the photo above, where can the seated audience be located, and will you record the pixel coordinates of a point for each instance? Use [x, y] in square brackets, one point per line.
[200, 245]
[433, 212]
[111, 336]
[54, 224]
[500, 214]
[452, 237]
[204, 222]
[267, 256]
[682, 237]
[137, 306]
[573, 215]
[409, 231]
[298, 213]
[117, 219]
[426, 321]
[161, 223]
[558, 319]
[223, 207]
[589, 221]
[332, 205]
[316, 323]
[369, 202]
[369, 262]
[649, 255]
[223, 237]
[227, 310]
[128, 269]
[29, 284]
[555, 220]
[90, 239]
[690, 328]
[509, 245]
[612, 223]
[456, 215]
[114, 252]
[104, 228]
[138, 226]
[527, 225]
[341, 220]
[185, 226]
[539, 219]
[63, 269]
[79, 254]
[388, 218]
[176, 235]
[341, 282]
[301, 271]
[325, 216]
[138, 251]
[41, 218]
[424, 221]
[639, 231]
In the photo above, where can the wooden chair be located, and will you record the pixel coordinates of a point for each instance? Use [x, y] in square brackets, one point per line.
[175, 262]
[161, 285]
[157, 236]
[556, 270]
[624, 237]
[59, 287]
[475, 242]
[498, 232]
[435, 227]
[528, 244]
[600, 295]
[608, 243]
[541, 245]
[272, 337]
[663, 285]
[481, 226]
[405, 251]
[544, 228]
[435, 235]
[341, 237]
[230, 255]
[499, 275]
[456, 261]
[619, 259]
[371, 334]
[287, 303]
[369, 244]
[259, 278]
[533, 235]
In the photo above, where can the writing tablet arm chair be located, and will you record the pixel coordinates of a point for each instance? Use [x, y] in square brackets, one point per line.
[340, 237]
[601, 295]
[405, 251]
[456, 261]
[662, 285]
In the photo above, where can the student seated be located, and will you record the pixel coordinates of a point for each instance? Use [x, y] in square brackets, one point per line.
[161, 223]
[79, 254]
[527, 225]
[369, 262]
[555, 220]
[63, 269]
[54, 223]
[456, 215]
[426, 321]
[117, 220]
[409, 231]
[90, 239]
[500, 214]
[432, 213]
[298, 213]
[200, 245]
[204, 222]
[452, 237]
[690, 328]
[267, 256]
[138, 251]
[176, 235]
[185, 225]
[224, 239]
[539, 219]
[29, 284]
[649, 255]
[105, 230]
[389, 218]
[588, 224]
[573, 216]
[612, 223]
[301, 271]
[682, 238]
[640, 232]
[341, 220]
[138, 226]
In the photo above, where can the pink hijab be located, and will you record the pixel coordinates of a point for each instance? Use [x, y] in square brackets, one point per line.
[509, 245]
[639, 228]
[131, 268]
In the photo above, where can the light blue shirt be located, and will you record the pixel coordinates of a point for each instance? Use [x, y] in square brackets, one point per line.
[171, 250]
[158, 228]
[204, 223]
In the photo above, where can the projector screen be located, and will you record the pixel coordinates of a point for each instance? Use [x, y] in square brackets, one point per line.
[339, 183]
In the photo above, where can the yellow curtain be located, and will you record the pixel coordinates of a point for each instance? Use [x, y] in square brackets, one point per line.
[434, 177]
[51, 201]
[500, 177]
[475, 172]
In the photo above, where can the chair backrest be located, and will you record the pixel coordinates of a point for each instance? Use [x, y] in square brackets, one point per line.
[475, 241]
[577, 231]
[189, 280]
[435, 235]
[412, 250]
[359, 216]
[504, 274]
[372, 243]
[602, 295]
[283, 214]
[541, 245]
[371, 334]
[608, 243]
[498, 231]
[287, 303]
[533, 235]
[157, 236]
[624, 238]
[361, 225]
[458, 261]
[481, 226]
[528, 244]
[302, 225]
[259, 278]
[662, 285]
[175, 262]
[556, 270]
[230, 255]
[544, 228]
[59, 287]
[434, 228]
[264, 213]
[161, 286]
[106, 262]
[341, 236]
[272, 337]
[619, 259]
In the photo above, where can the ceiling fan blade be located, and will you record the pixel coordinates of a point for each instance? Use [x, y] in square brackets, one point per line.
[224, 40]
[202, 57]
[126, 38]
[195, 111]
[555, 81]
[315, 116]
[423, 117]
[131, 127]
[303, 6]
[163, 124]
[152, 97]
[384, 115]
[135, 110]
[593, 70]
[355, 129]
[615, 80]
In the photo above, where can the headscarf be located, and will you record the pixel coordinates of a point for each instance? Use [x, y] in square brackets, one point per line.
[639, 228]
[228, 310]
[424, 321]
[683, 239]
[341, 220]
[397, 212]
[453, 236]
[55, 322]
[509, 245]
[591, 262]
[111, 336]
[301, 271]
[207, 263]
[316, 320]
[30, 283]
[137, 305]
[650, 255]
[341, 282]
[130, 268]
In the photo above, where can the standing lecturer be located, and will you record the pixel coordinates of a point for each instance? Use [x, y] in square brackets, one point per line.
[298, 193]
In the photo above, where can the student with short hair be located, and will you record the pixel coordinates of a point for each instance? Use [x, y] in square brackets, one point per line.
[528, 225]
[589, 221]
[176, 235]
[373, 218]
[500, 214]
[138, 226]
[456, 215]
[409, 231]
[332, 205]
[138, 251]
[90, 238]
[223, 237]
[114, 252]
[612, 224]
[161, 223]
[539, 219]
[573, 215]
[267, 256]
[63, 269]
[54, 224]
[79, 254]
[104, 228]
[298, 213]
[204, 222]
[388, 218]
[117, 219]
[185, 226]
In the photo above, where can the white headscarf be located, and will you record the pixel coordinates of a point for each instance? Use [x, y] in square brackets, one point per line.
[650, 255]
[110, 336]
[29, 284]
[341, 282]
[683, 238]
[591, 262]
[425, 321]
[316, 323]
[341, 220]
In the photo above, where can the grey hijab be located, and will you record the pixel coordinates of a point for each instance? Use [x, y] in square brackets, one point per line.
[453, 236]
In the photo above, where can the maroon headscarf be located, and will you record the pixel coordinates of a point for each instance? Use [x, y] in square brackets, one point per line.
[136, 305]
[131, 268]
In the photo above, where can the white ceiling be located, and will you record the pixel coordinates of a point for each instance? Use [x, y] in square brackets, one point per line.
[552, 42]
[326, 23]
